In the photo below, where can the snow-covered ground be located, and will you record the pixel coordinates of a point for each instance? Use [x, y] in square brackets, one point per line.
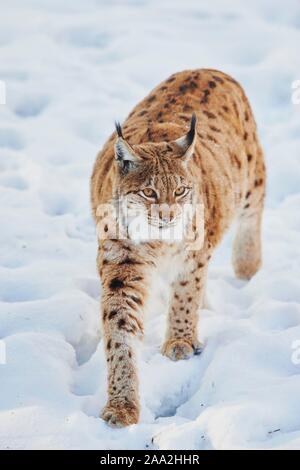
[71, 68]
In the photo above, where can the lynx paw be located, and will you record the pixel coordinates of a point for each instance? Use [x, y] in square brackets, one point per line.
[246, 270]
[177, 349]
[119, 414]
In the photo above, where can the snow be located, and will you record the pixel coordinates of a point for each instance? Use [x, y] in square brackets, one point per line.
[70, 69]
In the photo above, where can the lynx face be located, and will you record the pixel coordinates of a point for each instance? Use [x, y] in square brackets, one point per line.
[155, 187]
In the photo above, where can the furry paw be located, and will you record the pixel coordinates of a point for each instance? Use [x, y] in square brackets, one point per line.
[177, 349]
[246, 270]
[120, 413]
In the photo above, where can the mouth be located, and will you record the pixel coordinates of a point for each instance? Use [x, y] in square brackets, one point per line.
[162, 225]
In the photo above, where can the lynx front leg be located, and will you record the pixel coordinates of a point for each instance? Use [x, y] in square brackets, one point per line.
[188, 292]
[123, 275]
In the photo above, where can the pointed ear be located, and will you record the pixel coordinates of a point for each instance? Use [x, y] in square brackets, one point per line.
[124, 153]
[187, 142]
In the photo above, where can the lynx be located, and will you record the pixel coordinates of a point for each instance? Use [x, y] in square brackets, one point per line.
[191, 141]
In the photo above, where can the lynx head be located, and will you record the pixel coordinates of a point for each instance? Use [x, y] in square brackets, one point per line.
[154, 182]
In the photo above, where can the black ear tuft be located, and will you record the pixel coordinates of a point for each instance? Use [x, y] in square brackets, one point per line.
[191, 133]
[119, 129]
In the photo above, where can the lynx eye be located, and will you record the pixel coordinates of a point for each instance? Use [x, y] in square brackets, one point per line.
[149, 193]
[180, 191]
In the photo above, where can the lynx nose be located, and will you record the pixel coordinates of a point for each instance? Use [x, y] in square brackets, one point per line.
[166, 216]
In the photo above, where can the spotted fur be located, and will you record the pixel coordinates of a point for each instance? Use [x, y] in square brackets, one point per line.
[226, 168]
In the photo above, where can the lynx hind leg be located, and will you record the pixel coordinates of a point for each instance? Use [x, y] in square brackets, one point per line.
[247, 247]
[247, 256]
